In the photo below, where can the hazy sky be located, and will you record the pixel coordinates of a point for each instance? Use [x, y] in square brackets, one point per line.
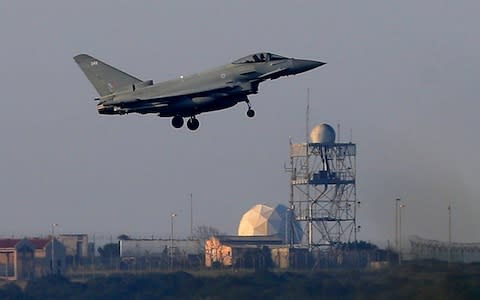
[403, 76]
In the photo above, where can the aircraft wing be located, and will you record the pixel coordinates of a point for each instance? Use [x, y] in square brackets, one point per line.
[200, 91]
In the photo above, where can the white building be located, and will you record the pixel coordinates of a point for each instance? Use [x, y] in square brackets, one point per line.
[158, 247]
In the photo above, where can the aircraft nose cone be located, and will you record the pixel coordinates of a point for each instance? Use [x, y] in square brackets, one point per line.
[316, 64]
[303, 65]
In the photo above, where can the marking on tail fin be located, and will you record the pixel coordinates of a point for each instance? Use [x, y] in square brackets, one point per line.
[104, 78]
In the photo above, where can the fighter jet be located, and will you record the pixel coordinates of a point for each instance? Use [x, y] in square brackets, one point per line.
[187, 96]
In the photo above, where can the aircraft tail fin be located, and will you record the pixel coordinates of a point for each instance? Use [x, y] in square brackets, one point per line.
[104, 78]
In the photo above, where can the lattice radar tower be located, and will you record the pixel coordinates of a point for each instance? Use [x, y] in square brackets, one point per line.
[323, 190]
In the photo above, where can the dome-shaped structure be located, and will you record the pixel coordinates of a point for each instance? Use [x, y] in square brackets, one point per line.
[323, 134]
[265, 220]
[259, 220]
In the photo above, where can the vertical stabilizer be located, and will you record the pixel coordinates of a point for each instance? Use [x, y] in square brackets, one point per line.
[105, 78]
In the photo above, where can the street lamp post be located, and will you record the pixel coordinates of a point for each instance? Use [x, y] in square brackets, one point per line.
[191, 215]
[171, 239]
[397, 202]
[449, 233]
[52, 266]
[400, 232]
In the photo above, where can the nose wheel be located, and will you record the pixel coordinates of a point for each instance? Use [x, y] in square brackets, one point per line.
[193, 123]
[250, 111]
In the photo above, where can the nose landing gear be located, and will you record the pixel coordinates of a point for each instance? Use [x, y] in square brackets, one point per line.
[250, 111]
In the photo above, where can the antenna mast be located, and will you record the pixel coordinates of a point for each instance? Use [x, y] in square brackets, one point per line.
[191, 215]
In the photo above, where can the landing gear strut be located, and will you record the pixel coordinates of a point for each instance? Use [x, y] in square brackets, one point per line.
[193, 123]
[177, 122]
[250, 111]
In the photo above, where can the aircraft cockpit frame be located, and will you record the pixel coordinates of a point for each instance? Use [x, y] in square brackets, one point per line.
[258, 58]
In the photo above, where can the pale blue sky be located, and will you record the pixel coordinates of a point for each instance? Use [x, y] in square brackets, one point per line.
[402, 75]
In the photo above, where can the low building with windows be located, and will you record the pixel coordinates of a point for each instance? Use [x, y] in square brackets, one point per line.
[246, 251]
[16, 259]
[44, 257]
[76, 247]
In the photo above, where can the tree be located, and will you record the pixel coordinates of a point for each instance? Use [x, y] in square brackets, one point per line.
[123, 237]
[109, 250]
[110, 255]
[204, 232]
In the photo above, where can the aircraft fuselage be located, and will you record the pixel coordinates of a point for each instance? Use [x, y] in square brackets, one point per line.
[187, 96]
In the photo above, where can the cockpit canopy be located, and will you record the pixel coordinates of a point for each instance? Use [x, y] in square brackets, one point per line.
[258, 57]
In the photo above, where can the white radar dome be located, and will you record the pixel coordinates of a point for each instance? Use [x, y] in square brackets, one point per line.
[265, 220]
[322, 134]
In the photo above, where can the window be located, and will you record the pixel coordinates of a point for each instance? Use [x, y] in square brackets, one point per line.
[258, 57]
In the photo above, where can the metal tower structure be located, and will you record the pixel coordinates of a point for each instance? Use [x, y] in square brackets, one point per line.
[323, 192]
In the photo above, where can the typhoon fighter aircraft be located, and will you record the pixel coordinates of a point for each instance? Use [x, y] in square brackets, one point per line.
[187, 96]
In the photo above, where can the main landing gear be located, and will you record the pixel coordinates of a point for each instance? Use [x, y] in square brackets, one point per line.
[192, 123]
[250, 111]
[177, 122]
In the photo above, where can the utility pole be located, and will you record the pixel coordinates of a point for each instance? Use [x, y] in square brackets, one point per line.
[449, 233]
[53, 248]
[307, 171]
[171, 240]
[396, 202]
[191, 215]
[93, 255]
[400, 233]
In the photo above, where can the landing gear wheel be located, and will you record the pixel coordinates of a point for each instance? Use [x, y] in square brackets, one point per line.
[250, 111]
[177, 122]
[193, 123]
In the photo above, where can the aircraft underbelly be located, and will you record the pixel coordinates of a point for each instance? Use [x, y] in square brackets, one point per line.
[191, 106]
